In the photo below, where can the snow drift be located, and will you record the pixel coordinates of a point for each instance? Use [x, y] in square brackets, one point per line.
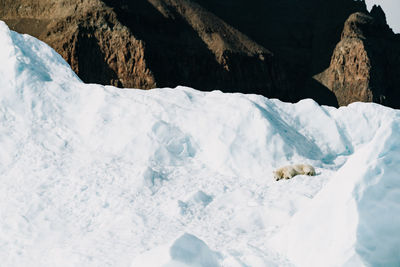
[92, 175]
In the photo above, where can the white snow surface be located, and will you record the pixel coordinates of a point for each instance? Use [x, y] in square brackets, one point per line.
[93, 175]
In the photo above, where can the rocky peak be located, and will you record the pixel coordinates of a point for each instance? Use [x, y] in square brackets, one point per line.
[150, 43]
[358, 25]
[365, 62]
[364, 25]
[271, 48]
[378, 14]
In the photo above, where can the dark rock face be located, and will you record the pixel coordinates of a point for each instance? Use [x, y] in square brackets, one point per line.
[205, 44]
[301, 33]
[89, 37]
[150, 43]
[366, 62]
[188, 45]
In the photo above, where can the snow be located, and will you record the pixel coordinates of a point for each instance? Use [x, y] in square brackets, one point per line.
[93, 175]
[360, 223]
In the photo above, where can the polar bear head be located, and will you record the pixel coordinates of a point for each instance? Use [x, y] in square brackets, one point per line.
[278, 174]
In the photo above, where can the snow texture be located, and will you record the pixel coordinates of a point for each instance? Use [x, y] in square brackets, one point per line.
[92, 175]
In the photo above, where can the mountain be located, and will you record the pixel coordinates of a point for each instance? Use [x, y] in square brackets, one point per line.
[301, 33]
[281, 49]
[147, 44]
[92, 175]
[366, 62]
[271, 48]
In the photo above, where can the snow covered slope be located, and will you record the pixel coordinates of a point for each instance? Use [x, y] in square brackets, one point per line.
[98, 176]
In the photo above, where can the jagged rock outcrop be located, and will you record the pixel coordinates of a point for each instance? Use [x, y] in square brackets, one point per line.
[209, 45]
[365, 65]
[302, 33]
[150, 43]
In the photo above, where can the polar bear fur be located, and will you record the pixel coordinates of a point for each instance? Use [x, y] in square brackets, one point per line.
[290, 171]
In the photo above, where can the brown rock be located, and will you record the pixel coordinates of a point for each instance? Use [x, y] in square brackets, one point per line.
[88, 36]
[150, 43]
[301, 33]
[204, 44]
[366, 62]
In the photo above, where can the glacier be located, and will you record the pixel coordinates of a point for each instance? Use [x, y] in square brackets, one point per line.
[93, 175]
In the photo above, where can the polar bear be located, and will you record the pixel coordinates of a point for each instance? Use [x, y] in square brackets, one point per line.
[290, 171]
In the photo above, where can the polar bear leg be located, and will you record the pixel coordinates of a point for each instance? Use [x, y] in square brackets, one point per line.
[290, 172]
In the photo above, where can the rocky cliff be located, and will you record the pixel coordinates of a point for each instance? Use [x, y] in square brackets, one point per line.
[89, 37]
[273, 48]
[302, 33]
[150, 43]
[365, 65]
